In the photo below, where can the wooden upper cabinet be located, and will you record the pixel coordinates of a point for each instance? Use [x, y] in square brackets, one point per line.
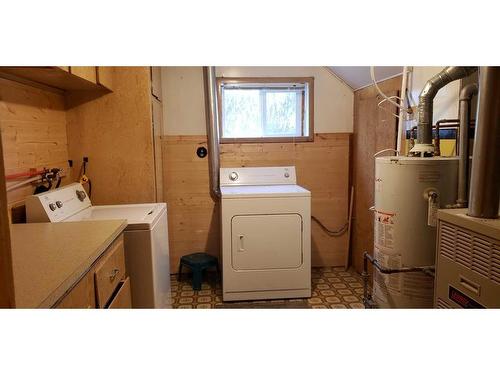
[88, 73]
[156, 82]
[52, 77]
[66, 78]
[105, 76]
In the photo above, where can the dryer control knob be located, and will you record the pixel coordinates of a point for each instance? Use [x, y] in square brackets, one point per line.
[233, 176]
[52, 206]
[81, 195]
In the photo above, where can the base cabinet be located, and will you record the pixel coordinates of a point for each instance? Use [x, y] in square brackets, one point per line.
[82, 296]
[104, 285]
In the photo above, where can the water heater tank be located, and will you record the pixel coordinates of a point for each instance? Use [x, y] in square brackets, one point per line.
[408, 192]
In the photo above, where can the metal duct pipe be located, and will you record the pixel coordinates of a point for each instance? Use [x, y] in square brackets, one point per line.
[484, 194]
[449, 74]
[465, 98]
[211, 114]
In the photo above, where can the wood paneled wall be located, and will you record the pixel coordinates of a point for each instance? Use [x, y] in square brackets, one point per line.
[7, 296]
[114, 131]
[194, 223]
[374, 130]
[33, 126]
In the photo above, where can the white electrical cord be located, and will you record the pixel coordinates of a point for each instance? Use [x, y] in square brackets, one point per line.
[385, 150]
[375, 83]
[386, 110]
[400, 105]
[401, 133]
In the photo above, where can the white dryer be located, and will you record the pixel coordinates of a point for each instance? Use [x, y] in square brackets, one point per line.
[266, 234]
[145, 237]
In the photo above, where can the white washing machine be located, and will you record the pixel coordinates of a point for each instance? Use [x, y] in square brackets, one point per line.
[145, 237]
[266, 234]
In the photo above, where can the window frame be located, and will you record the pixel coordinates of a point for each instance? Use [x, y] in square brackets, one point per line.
[285, 139]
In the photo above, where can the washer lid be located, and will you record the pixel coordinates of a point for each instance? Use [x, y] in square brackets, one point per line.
[263, 191]
[138, 216]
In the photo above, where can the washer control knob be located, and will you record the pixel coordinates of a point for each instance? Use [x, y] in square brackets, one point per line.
[233, 176]
[59, 204]
[81, 195]
[287, 174]
[52, 206]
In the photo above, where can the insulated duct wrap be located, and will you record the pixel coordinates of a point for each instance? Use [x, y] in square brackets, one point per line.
[426, 99]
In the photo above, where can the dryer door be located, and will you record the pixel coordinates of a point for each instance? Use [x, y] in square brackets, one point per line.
[261, 242]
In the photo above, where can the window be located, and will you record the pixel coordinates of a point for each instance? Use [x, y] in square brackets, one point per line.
[265, 109]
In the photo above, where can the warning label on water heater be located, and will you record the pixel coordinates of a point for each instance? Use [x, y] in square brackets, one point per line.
[385, 284]
[384, 229]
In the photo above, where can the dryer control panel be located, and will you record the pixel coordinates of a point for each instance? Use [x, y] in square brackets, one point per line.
[258, 176]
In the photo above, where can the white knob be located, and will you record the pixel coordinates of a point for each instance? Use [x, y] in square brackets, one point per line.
[233, 176]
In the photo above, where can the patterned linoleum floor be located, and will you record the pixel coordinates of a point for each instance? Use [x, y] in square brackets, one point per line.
[332, 287]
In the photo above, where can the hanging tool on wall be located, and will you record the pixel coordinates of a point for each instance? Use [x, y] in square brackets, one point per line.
[84, 179]
[47, 180]
[35, 177]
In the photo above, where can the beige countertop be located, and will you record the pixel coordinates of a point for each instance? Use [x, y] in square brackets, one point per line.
[49, 258]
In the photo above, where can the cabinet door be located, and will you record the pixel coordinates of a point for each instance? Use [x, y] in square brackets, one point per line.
[88, 73]
[156, 82]
[262, 242]
[105, 76]
[157, 131]
[82, 296]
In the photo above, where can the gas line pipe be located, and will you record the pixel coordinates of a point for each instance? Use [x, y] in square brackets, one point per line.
[367, 298]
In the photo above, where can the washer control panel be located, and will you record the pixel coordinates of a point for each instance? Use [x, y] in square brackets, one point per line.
[56, 205]
[258, 176]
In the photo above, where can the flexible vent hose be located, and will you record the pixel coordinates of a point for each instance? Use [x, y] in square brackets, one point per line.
[332, 233]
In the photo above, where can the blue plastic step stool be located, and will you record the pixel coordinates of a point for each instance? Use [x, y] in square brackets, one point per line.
[198, 262]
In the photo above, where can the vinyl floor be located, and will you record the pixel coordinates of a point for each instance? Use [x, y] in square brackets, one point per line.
[332, 288]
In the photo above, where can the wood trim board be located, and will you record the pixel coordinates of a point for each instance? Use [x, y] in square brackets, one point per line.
[7, 295]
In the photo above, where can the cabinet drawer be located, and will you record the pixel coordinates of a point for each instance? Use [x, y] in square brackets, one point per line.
[110, 271]
[122, 298]
[82, 296]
